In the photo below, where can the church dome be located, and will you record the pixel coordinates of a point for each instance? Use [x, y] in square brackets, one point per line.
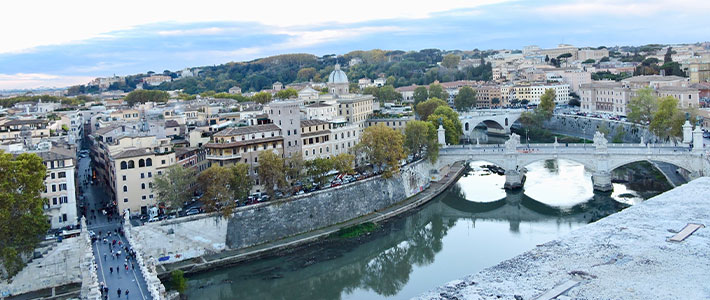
[337, 76]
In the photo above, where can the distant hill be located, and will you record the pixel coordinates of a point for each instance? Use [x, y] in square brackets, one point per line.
[401, 68]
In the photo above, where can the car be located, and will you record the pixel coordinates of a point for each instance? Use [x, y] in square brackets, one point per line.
[301, 192]
[192, 211]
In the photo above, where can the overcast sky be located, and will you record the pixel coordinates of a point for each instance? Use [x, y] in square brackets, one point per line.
[60, 43]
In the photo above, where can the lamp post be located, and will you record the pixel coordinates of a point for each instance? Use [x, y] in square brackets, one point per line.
[584, 138]
[527, 139]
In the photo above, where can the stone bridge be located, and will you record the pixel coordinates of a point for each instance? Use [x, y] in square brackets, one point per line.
[495, 119]
[600, 158]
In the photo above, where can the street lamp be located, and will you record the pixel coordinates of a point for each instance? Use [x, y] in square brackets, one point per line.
[584, 138]
[527, 139]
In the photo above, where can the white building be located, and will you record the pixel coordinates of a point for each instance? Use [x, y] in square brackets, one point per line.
[59, 188]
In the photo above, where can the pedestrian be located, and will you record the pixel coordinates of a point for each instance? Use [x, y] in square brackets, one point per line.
[126, 293]
[119, 292]
[111, 269]
[104, 256]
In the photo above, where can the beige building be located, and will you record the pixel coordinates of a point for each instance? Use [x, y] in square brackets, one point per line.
[315, 136]
[699, 72]
[486, 95]
[23, 129]
[533, 92]
[398, 124]
[355, 109]
[243, 144]
[59, 188]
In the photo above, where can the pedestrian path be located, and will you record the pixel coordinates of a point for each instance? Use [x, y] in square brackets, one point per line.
[111, 268]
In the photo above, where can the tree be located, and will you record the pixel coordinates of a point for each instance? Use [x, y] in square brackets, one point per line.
[306, 74]
[384, 148]
[589, 61]
[547, 104]
[426, 108]
[420, 136]
[318, 167]
[390, 80]
[388, 93]
[287, 94]
[574, 102]
[451, 61]
[65, 127]
[272, 172]
[618, 135]
[143, 96]
[240, 181]
[420, 95]
[22, 220]
[547, 58]
[564, 56]
[437, 91]
[466, 99]
[294, 167]
[179, 281]
[668, 119]
[450, 121]
[343, 163]
[604, 59]
[668, 57]
[173, 187]
[643, 106]
[261, 97]
[215, 186]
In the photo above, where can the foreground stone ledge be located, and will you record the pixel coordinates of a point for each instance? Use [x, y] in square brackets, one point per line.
[623, 256]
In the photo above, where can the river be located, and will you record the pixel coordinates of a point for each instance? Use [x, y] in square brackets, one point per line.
[473, 225]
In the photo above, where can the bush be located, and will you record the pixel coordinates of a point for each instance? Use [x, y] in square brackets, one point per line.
[179, 281]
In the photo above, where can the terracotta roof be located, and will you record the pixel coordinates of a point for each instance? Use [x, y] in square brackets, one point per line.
[243, 143]
[247, 130]
[133, 153]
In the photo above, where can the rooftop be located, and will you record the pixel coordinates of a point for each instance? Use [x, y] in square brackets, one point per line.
[133, 153]
[247, 130]
[308, 123]
[646, 78]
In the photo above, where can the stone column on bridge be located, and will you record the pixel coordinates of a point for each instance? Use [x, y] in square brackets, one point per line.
[687, 132]
[601, 178]
[698, 139]
[514, 176]
[441, 136]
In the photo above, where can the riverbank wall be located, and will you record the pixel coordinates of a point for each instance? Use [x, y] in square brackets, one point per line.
[203, 242]
[627, 255]
[581, 126]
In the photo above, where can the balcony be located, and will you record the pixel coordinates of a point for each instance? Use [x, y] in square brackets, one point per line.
[223, 157]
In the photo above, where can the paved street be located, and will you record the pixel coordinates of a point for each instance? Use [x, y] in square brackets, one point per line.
[111, 270]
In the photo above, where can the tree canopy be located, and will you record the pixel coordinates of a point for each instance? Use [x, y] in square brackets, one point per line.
[384, 148]
[426, 108]
[286, 94]
[420, 95]
[143, 96]
[466, 99]
[22, 220]
[420, 138]
[437, 91]
[643, 106]
[272, 172]
[450, 122]
[451, 61]
[174, 186]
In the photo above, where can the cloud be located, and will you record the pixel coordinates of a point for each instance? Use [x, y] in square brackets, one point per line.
[35, 80]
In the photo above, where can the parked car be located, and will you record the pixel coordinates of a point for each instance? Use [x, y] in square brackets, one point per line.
[192, 211]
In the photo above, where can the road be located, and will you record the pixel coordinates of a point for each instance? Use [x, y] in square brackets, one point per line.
[111, 270]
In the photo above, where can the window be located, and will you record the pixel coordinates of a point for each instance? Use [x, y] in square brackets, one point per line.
[143, 197]
[161, 172]
[51, 175]
[54, 188]
[150, 174]
[54, 201]
[163, 161]
[150, 185]
[148, 162]
[62, 174]
[131, 164]
[141, 163]
[150, 196]
[142, 175]
[124, 177]
[63, 187]
[143, 186]
[64, 217]
[125, 200]
[125, 188]
[256, 159]
[124, 165]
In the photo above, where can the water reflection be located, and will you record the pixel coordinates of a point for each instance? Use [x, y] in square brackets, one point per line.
[473, 225]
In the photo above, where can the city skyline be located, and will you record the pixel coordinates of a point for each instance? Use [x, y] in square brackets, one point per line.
[132, 40]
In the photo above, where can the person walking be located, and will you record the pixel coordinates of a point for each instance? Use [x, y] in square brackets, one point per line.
[119, 293]
[126, 293]
[111, 269]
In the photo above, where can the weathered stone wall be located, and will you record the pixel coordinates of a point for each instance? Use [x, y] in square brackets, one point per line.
[578, 126]
[264, 223]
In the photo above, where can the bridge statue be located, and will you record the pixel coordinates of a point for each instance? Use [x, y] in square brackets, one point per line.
[600, 141]
[512, 144]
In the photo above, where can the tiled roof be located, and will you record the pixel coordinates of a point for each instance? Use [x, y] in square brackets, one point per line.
[133, 153]
[247, 130]
[308, 123]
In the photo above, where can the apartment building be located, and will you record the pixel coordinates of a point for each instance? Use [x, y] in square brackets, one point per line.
[59, 189]
[131, 173]
[287, 116]
[699, 72]
[316, 139]
[488, 96]
[533, 92]
[355, 109]
[23, 129]
[398, 124]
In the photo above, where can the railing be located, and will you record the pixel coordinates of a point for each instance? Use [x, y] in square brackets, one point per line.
[223, 157]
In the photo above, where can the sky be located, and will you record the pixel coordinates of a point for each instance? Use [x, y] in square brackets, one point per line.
[61, 43]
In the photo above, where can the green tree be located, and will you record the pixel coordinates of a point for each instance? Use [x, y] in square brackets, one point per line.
[343, 163]
[420, 136]
[564, 56]
[306, 74]
[643, 106]
[451, 61]
[318, 167]
[388, 93]
[604, 59]
[261, 97]
[466, 99]
[437, 91]
[22, 220]
[451, 123]
[420, 95]
[272, 172]
[143, 96]
[287, 94]
[665, 122]
[295, 167]
[390, 80]
[668, 57]
[65, 127]
[384, 147]
[174, 186]
[547, 104]
[426, 108]
[215, 186]
[240, 181]
[589, 61]
[618, 135]
[179, 281]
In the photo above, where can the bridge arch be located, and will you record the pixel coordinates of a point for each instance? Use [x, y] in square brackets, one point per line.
[683, 165]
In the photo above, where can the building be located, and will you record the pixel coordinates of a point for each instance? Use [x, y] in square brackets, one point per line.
[59, 189]
[315, 136]
[595, 54]
[156, 80]
[243, 145]
[286, 114]
[131, 173]
[533, 92]
[29, 130]
[488, 96]
[574, 77]
[699, 72]
[338, 83]
[321, 111]
[355, 109]
[235, 90]
[398, 124]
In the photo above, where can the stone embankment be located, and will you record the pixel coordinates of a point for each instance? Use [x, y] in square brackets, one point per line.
[581, 126]
[627, 255]
[265, 228]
